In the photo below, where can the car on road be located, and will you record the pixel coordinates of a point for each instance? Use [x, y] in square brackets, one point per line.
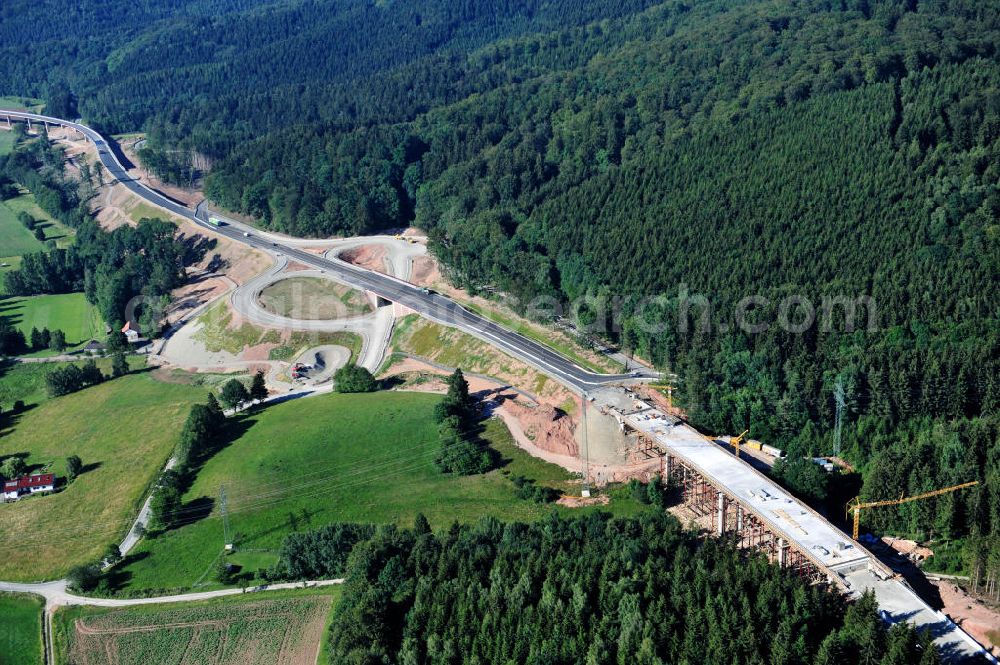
[246, 234]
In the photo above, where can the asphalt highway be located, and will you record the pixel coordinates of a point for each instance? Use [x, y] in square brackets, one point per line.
[429, 304]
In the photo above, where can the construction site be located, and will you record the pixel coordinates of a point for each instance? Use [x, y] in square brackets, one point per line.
[725, 495]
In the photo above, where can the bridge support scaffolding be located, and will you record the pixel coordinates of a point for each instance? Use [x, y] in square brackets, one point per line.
[732, 519]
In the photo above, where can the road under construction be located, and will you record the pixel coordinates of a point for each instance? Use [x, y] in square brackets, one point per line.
[747, 506]
[743, 503]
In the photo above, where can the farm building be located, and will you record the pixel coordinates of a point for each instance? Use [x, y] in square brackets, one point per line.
[15, 489]
[93, 346]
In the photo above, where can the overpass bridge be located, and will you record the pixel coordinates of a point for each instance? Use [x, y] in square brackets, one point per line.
[427, 303]
[747, 506]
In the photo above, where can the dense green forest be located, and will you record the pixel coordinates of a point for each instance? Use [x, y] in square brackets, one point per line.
[585, 590]
[722, 149]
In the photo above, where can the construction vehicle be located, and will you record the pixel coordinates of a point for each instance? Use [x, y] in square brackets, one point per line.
[736, 441]
[856, 505]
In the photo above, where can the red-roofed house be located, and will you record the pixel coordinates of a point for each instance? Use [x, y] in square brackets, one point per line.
[131, 332]
[42, 482]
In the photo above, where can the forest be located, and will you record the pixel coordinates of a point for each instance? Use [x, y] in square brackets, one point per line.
[647, 154]
[582, 590]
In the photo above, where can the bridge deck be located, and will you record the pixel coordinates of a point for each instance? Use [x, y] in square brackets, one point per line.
[789, 518]
[805, 529]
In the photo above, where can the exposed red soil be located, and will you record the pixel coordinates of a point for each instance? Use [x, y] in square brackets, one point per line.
[977, 619]
[197, 292]
[425, 272]
[908, 548]
[580, 502]
[258, 352]
[549, 428]
[371, 257]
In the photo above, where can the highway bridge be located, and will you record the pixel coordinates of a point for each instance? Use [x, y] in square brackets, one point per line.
[431, 305]
[743, 504]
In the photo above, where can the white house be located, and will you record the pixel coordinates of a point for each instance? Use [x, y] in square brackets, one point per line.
[131, 332]
[36, 484]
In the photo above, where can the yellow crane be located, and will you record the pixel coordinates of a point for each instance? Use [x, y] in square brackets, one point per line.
[856, 505]
[735, 442]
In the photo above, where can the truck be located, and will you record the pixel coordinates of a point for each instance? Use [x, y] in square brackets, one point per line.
[215, 221]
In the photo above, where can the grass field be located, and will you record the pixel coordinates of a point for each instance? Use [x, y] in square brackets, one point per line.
[7, 141]
[317, 460]
[14, 103]
[217, 334]
[26, 381]
[20, 629]
[6, 265]
[124, 431]
[420, 337]
[15, 239]
[554, 339]
[313, 298]
[142, 211]
[69, 312]
[275, 628]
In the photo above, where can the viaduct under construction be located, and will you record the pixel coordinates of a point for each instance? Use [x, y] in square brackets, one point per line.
[748, 507]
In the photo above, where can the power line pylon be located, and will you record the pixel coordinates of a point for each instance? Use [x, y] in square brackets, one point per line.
[838, 396]
[224, 509]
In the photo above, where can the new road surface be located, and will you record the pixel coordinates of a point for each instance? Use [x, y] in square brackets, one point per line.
[427, 303]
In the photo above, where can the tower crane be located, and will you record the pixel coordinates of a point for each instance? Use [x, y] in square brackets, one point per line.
[856, 505]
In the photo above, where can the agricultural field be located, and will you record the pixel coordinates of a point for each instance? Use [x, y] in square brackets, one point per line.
[20, 629]
[309, 462]
[314, 298]
[69, 312]
[275, 628]
[124, 430]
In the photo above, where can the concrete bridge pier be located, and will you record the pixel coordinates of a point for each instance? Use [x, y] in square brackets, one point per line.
[721, 513]
[782, 553]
